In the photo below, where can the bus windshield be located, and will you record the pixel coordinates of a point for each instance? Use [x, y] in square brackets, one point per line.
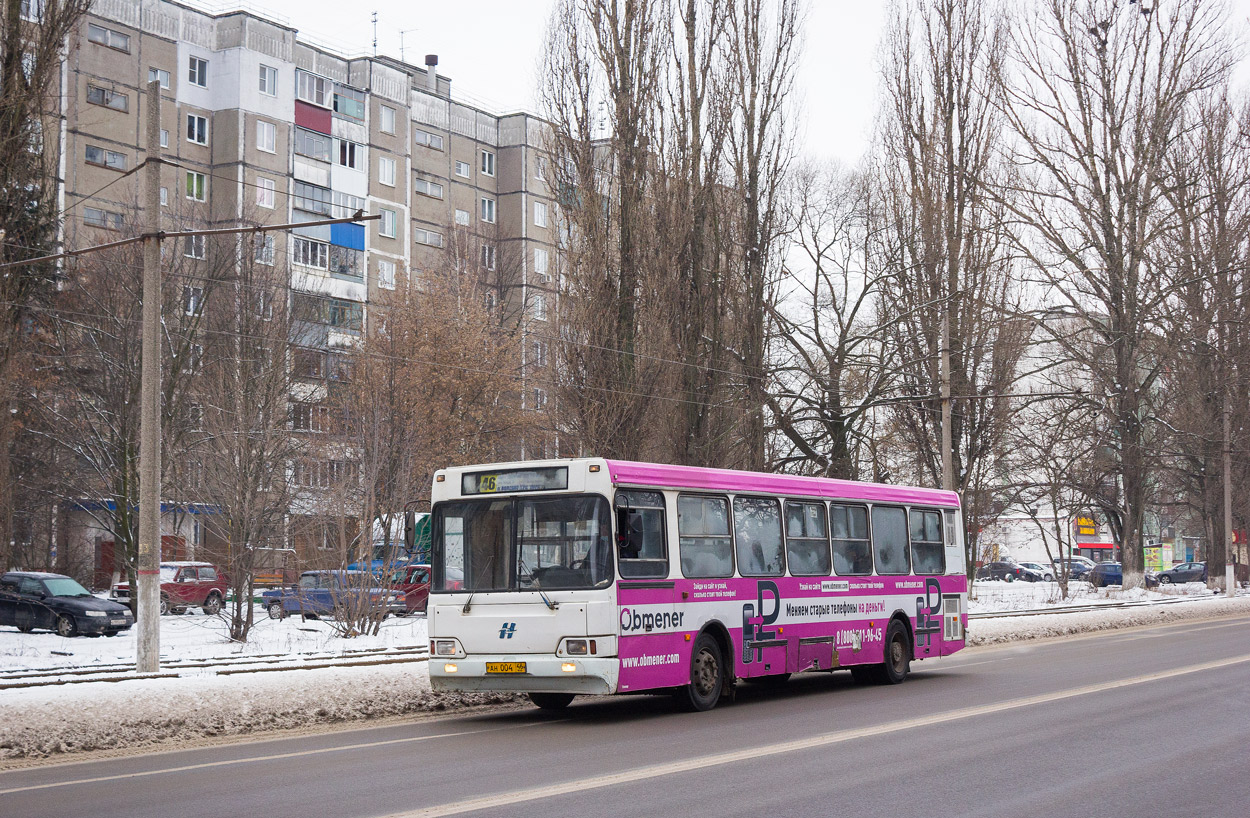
[507, 544]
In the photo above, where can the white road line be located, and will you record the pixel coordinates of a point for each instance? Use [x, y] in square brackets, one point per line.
[717, 759]
[274, 757]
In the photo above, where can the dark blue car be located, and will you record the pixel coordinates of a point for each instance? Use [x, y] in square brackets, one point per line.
[330, 593]
[1111, 573]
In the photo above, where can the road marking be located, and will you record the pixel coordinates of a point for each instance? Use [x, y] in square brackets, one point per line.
[273, 757]
[718, 759]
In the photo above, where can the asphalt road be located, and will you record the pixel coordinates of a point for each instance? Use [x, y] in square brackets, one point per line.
[1146, 722]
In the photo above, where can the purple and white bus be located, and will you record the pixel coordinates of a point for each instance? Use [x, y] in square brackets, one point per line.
[594, 576]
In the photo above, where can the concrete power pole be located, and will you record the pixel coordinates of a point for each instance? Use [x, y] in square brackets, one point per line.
[944, 374]
[1230, 573]
[149, 614]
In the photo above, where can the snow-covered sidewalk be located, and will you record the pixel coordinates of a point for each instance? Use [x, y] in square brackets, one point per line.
[198, 703]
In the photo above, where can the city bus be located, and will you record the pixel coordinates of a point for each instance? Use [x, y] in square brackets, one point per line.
[556, 578]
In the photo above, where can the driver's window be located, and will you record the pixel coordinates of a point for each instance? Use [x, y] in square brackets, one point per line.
[308, 581]
[640, 542]
[31, 586]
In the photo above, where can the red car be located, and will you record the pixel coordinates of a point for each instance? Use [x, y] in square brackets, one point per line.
[413, 581]
[184, 585]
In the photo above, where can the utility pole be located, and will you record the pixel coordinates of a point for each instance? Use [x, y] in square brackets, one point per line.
[148, 573]
[1230, 575]
[944, 374]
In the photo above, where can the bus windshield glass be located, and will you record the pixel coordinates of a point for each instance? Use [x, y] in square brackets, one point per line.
[506, 544]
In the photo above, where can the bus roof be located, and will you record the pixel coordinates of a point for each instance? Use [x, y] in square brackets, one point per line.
[625, 472]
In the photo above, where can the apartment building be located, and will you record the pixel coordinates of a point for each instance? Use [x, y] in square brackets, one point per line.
[262, 126]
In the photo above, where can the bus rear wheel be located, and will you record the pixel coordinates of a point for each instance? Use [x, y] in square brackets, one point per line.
[707, 676]
[551, 701]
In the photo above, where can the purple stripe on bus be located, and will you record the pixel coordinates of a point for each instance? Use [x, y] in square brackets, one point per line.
[660, 475]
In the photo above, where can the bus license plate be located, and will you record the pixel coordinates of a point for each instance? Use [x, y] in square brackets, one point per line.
[505, 667]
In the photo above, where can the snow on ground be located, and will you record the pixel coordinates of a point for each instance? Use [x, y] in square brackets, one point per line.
[172, 712]
[992, 596]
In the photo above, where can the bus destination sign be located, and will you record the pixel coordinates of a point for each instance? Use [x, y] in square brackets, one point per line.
[552, 479]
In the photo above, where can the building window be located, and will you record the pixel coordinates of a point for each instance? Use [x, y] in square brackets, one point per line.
[310, 253]
[540, 214]
[427, 188]
[488, 256]
[462, 169]
[96, 217]
[386, 171]
[196, 247]
[348, 315]
[462, 217]
[164, 138]
[108, 37]
[426, 139]
[346, 205]
[346, 262]
[386, 274]
[197, 186]
[264, 298]
[266, 136]
[312, 144]
[107, 98]
[197, 129]
[387, 115]
[488, 163]
[351, 155]
[197, 71]
[310, 417]
[195, 357]
[386, 227]
[540, 353]
[193, 297]
[311, 198]
[312, 88]
[105, 158]
[164, 197]
[265, 189]
[427, 237]
[195, 417]
[160, 75]
[488, 210]
[264, 255]
[540, 400]
[541, 260]
[349, 103]
[538, 308]
[540, 169]
[269, 80]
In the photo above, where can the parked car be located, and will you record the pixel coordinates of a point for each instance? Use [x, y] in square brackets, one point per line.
[413, 581]
[1007, 571]
[1185, 572]
[55, 602]
[1047, 572]
[328, 593]
[1111, 573]
[383, 558]
[1078, 567]
[183, 585]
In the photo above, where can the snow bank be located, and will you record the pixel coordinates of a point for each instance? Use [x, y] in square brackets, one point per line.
[994, 630]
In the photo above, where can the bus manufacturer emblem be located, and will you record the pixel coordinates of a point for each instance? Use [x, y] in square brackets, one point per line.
[506, 631]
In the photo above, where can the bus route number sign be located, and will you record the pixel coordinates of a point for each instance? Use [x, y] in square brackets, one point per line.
[541, 479]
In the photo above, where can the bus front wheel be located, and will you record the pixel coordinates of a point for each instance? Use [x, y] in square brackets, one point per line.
[551, 701]
[897, 662]
[707, 676]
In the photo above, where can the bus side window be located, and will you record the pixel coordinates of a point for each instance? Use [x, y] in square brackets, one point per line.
[927, 550]
[703, 537]
[807, 539]
[757, 531]
[889, 540]
[852, 555]
[640, 534]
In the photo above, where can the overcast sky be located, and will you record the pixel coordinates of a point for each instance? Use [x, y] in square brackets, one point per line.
[490, 49]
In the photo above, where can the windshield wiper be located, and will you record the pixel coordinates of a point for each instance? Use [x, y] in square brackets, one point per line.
[535, 587]
[469, 601]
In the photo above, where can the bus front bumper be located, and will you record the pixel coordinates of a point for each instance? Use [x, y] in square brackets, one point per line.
[543, 673]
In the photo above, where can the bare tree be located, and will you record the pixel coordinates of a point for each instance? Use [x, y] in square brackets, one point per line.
[32, 43]
[949, 302]
[1095, 96]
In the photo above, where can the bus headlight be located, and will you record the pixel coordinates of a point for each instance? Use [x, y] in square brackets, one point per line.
[444, 647]
[575, 647]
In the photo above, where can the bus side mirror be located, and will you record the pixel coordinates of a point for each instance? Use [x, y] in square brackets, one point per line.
[410, 531]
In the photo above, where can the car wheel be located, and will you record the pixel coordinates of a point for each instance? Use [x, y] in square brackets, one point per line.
[551, 701]
[1049, 577]
[164, 605]
[65, 626]
[707, 676]
[275, 611]
[1008, 577]
[111, 633]
[25, 628]
[1164, 579]
[897, 661]
[212, 605]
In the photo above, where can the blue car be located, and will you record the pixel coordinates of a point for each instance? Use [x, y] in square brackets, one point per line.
[384, 559]
[1111, 573]
[329, 594]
